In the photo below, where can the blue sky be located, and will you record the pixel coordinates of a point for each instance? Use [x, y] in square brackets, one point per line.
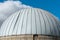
[52, 6]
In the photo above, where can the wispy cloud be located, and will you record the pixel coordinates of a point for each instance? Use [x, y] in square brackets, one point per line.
[9, 7]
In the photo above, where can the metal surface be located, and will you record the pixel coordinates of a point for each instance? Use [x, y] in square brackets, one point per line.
[31, 21]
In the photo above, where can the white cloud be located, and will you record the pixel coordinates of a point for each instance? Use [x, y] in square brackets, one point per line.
[9, 7]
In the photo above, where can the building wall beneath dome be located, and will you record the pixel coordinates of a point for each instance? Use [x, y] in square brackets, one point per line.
[29, 37]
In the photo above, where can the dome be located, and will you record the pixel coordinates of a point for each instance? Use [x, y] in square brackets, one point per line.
[31, 21]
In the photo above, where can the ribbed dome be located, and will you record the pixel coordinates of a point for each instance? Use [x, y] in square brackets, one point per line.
[31, 21]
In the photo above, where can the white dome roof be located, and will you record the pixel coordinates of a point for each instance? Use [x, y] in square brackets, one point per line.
[31, 21]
